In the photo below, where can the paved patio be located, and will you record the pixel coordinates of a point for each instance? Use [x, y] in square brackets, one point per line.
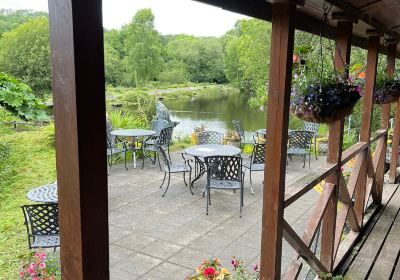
[152, 237]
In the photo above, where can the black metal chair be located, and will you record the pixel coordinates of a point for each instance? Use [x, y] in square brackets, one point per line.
[210, 137]
[41, 221]
[240, 131]
[163, 140]
[224, 172]
[257, 161]
[300, 144]
[115, 147]
[313, 127]
[175, 168]
[157, 125]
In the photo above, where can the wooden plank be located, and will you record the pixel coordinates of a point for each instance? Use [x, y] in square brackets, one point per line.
[368, 253]
[354, 150]
[378, 134]
[76, 39]
[345, 256]
[365, 131]
[395, 145]
[387, 257]
[396, 273]
[311, 229]
[307, 182]
[335, 142]
[281, 61]
[302, 249]
[378, 162]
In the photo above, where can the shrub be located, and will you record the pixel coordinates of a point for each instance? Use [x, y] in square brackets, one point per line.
[121, 119]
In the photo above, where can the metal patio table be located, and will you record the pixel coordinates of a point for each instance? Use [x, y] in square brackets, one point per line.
[45, 194]
[199, 152]
[134, 133]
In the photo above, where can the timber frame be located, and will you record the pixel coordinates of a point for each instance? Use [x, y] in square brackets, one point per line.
[79, 105]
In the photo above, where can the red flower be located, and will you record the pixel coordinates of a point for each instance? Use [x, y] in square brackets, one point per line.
[209, 272]
[295, 58]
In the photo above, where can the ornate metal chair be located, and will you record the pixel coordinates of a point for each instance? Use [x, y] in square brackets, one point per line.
[300, 144]
[157, 125]
[115, 147]
[163, 140]
[313, 127]
[257, 160]
[175, 168]
[224, 172]
[240, 131]
[41, 221]
[210, 137]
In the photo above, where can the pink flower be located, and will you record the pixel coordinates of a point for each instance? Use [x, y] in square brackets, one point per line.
[35, 278]
[21, 274]
[31, 269]
[209, 272]
[255, 267]
[42, 265]
[234, 262]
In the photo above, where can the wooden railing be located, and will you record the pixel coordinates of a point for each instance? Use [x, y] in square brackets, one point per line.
[361, 151]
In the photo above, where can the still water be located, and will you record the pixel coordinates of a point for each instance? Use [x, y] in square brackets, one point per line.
[214, 111]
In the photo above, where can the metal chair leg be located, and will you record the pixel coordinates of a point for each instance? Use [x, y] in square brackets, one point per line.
[207, 201]
[125, 161]
[169, 178]
[190, 182]
[315, 148]
[184, 179]
[165, 174]
[250, 178]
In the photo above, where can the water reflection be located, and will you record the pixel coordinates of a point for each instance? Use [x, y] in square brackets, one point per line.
[215, 111]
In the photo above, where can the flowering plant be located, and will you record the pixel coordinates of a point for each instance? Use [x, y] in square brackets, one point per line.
[241, 273]
[41, 267]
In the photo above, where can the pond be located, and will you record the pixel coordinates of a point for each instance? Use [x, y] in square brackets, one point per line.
[215, 111]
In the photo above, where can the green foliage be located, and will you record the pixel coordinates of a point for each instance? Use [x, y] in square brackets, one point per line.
[112, 65]
[174, 72]
[143, 48]
[121, 119]
[18, 98]
[10, 19]
[25, 54]
[48, 134]
[5, 151]
[141, 102]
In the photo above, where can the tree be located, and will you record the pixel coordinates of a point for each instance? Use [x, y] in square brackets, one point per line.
[143, 48]
[112, 65]
[25, 54]
[10, 19]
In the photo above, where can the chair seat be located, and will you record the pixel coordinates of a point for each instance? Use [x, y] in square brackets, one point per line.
[179, 167]
[297, 151]
[254, 167]
[224, 184]
[43, 241]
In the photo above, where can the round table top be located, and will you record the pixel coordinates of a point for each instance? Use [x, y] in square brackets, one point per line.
[207, 150]
[46, 193]
[133, 132]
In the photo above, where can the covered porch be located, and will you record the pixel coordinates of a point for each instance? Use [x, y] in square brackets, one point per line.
[89, 208]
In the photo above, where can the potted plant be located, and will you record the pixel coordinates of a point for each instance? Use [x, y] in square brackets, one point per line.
[41, 266]
[232, 138]
[387, 90]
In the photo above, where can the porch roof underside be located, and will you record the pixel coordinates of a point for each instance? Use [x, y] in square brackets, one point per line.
[383, 16]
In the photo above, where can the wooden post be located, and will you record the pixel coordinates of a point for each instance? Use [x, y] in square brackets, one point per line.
[76, 37]
[391, 57]
[396, 128]
[365, 132]
[277, 127]
[342, 59]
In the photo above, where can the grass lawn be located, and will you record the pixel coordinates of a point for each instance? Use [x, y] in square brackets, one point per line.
[30, 163]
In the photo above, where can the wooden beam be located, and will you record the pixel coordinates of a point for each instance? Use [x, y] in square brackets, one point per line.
[365, 132]
[342, 59]
[76, 39]
[277, 126]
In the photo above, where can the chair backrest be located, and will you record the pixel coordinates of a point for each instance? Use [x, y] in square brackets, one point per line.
[164, 156]
[310, 126]
[41, 219]
[165, 136]
[209, 137]
[110, 137]
[258, 155]
[239, 128]
[300, 139]
[158, 124]
[224, 168]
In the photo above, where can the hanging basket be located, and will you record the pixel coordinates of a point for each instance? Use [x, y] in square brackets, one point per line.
[325, 104]
[390, 92]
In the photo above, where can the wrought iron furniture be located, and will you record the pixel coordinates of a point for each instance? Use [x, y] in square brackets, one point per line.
[257, 160]
[46, 193]
[134, 133]
[163, 140]
[209, 137]
[41, 221]
[299, 143]
[240, 131]
[199, 152]
[313, 127]
[170, 168]
[115, 147]
[157, 125]
[224, 172]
